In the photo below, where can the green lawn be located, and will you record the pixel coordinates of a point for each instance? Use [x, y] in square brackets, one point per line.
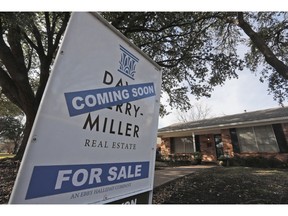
[5, 155]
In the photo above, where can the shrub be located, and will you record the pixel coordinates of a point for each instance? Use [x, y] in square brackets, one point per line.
[184, 159]
[261, 161]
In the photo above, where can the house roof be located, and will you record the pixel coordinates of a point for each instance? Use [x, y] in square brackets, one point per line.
[267, 116]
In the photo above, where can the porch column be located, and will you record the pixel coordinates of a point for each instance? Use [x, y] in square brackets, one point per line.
[193, 140]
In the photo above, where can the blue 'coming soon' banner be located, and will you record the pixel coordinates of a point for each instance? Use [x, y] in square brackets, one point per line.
[81, 102]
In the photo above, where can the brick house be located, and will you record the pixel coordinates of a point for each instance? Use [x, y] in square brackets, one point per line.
[258, 132]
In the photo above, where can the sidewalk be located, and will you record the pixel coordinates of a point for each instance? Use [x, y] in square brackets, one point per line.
[167, 174]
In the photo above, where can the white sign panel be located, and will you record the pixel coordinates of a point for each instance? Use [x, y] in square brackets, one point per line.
[94, 137]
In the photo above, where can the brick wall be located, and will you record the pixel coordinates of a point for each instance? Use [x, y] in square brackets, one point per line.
[227, 142]
[207, 148]
[165, 146]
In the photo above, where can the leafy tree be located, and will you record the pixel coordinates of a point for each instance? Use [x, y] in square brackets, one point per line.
[11, 123]
[7, 108]
[28, 44]
[186, 46]
[11, 129]
[267, 40]
[196, 50]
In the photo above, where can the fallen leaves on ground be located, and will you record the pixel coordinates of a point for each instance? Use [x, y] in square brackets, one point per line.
[226, 185]
[8, 172]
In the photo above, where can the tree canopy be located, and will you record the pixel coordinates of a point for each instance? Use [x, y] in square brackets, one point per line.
[7, 108]
[11, 129]
[196, 50]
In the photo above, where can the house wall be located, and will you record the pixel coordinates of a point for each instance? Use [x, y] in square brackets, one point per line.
[227, 142]
[165, 146]
[207, 148]
[207, 144]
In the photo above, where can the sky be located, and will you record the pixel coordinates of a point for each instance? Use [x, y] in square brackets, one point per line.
[147, 5]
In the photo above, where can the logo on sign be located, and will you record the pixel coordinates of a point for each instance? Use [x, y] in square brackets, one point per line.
[127, 63]
[87, 101]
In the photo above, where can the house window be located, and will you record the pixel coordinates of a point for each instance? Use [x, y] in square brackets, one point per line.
[266, 139]
[257, 139]
[182, 145]
[280, 137]
[247, 140]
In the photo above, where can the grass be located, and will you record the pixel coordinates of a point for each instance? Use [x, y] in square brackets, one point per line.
[6, 155]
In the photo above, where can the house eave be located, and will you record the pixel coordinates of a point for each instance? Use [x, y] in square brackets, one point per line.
[212, 128]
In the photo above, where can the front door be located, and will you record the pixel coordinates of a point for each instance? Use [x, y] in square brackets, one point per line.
[218, 145]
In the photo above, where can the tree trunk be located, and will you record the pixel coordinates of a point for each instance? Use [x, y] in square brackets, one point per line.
[28, 126]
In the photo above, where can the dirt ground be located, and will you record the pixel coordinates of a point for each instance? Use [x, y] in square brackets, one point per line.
[218, 185]
[8, 172]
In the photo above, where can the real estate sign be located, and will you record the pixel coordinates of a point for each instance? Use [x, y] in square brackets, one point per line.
[94, 137]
